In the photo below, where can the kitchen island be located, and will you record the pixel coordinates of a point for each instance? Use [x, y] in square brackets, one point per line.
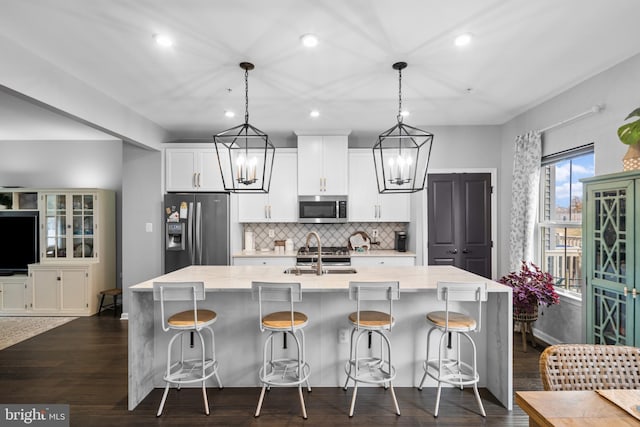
[325, 301]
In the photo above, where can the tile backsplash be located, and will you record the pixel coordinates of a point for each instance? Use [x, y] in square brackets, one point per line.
[331, 234]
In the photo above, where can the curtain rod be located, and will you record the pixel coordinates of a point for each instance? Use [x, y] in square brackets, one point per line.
[595, 109]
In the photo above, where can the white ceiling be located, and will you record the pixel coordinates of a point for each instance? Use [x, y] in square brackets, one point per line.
[523, 52]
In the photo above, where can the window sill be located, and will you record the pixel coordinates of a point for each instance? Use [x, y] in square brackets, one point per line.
[568, 295]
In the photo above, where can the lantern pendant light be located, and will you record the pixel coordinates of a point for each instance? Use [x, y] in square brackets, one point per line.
[401, 154]
[245, 154]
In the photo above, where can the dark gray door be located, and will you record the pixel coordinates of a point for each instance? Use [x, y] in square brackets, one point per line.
[459, 221]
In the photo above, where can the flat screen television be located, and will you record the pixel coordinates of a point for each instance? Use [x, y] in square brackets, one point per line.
[20, 242]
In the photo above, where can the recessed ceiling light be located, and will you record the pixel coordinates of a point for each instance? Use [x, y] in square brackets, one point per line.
[405, 113]
[309, 40]
[463, 39]
[163, 40]
[229, 113]
[314, 113]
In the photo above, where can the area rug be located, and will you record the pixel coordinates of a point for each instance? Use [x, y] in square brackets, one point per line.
[16, 329]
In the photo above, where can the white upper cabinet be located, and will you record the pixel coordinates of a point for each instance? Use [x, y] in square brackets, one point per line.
[281, 203]
[366, 204]
[322, 165]
[192, 169]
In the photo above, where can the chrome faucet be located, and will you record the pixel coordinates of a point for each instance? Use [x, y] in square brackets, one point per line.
[319, 262]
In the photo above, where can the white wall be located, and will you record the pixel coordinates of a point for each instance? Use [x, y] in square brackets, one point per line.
[141, 205]
[615, 89]
[60, 164]
[456, 148]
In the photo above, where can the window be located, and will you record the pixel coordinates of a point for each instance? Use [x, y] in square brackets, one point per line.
[560, 226]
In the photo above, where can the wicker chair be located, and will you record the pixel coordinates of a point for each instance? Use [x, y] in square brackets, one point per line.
[590, 367]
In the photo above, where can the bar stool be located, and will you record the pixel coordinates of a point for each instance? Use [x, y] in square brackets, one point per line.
[286, 371]
[193, 321]
[370, 368]
[453, 370]
[114, 293]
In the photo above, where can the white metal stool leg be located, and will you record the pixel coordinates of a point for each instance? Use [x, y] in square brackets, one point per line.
[260, 401]
[164, 399]
[304, 409]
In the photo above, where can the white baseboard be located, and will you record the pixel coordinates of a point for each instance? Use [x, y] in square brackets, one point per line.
[124, 316]
[545, 337]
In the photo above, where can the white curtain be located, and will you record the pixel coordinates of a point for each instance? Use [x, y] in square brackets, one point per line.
[524, 198]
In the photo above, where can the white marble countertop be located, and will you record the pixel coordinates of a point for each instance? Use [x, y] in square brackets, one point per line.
[371, 253]
[234, 278]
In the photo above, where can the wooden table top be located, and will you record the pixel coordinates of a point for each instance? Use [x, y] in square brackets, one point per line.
[572, 409]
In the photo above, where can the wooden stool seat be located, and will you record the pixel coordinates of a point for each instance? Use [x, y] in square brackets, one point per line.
[185, 318]
[282, 320]
[114, 293]
[371, 319]
[456, 320]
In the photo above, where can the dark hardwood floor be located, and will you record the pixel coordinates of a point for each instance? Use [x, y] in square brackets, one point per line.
[84, 364]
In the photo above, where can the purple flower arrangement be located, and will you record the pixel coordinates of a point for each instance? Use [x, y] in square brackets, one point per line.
[531, 286]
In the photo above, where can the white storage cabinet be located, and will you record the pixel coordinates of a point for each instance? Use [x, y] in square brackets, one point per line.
[322, 165]
[366, 204]
[192, 169]
[281, 203]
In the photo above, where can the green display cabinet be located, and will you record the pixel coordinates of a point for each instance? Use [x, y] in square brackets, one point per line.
[610, 232]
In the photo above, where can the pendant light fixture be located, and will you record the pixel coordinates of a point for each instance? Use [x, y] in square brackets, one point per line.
[245, 154]
[401, 154]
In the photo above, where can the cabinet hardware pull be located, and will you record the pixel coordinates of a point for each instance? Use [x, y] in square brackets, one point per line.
[466, 251]
[199, 183]
[455, 251]
[193, 180]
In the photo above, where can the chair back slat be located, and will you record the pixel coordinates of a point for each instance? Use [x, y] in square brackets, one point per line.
[374, 291]
[276, 292]
[459, 291]
[178, 291]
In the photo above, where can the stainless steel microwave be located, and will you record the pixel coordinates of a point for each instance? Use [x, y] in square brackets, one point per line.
[322, 209]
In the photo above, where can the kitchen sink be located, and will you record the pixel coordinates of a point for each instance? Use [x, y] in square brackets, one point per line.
[306, 270]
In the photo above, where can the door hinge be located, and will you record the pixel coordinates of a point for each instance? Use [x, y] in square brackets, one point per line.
[87, 305]
[491, 190]
[492, 243]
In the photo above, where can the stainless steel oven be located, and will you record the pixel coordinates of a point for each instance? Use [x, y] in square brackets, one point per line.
[331, 256]
[322, 209]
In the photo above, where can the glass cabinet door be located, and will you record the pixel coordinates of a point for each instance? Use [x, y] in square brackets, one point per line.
[611, 236]
[56, 225]
[83, 229]
[70, 226]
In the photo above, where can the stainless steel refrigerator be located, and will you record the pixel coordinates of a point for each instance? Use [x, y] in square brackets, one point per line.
[196, 229]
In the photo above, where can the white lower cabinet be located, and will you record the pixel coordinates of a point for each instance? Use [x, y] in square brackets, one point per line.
[285, 261]
[60, 290]
[386, 261]
[13, 294]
